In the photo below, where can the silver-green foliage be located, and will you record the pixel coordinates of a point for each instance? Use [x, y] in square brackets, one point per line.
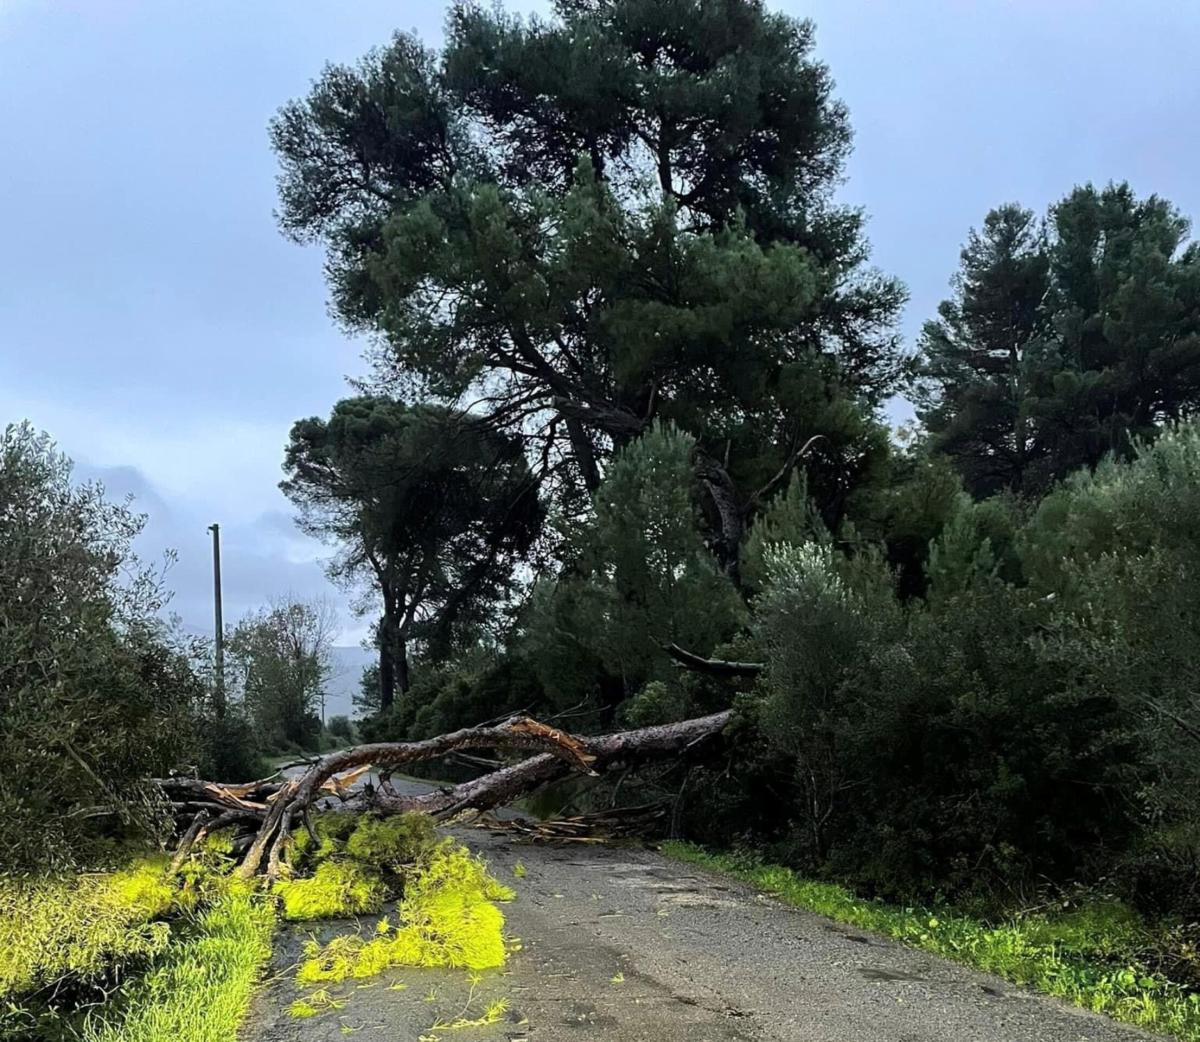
[643, 576]
[94, 696]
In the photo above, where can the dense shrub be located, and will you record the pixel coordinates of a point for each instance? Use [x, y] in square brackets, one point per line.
[1031, 718]
[340, 727]
[96, 696]
[228, 748]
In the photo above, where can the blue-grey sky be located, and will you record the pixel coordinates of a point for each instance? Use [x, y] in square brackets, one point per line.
[155, 322]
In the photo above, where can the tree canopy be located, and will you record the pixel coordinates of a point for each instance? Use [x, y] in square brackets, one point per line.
[620, 215]
[432, 505]
[1067, 338]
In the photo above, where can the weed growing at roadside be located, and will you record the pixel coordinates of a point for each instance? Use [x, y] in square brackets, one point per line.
[199, 991]
[1083, 957]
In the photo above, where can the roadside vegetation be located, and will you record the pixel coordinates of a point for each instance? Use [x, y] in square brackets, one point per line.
[143, 953]
[1093, 955]
[624, 458]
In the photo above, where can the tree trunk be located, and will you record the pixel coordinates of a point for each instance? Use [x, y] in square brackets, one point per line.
[387, 653]
[403, 683]
[276, 807]
[727, 510]
[387, 679]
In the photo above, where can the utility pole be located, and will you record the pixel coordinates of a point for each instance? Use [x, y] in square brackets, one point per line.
[218, 623]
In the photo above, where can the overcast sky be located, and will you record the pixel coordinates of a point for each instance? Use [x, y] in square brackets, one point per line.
[156, 323]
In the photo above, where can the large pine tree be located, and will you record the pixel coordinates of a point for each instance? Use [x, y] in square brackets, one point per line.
[1066, 339]
[618, 216]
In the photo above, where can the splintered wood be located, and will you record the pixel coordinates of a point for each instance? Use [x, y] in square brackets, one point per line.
[599, 827]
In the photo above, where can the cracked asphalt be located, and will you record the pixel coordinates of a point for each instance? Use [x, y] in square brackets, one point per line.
[621, 943]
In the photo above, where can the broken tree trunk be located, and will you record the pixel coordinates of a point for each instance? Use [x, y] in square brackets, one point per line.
[627, 748]
[279, 806]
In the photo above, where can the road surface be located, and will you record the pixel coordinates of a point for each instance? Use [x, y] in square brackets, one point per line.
[625, 945]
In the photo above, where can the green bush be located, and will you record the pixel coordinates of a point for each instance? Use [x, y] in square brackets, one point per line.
[229, 748]
[1031, 719]
[96, 697]
[82, 927]
[341, 728]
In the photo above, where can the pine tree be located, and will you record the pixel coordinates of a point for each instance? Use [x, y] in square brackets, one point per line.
[620, 215]
[979, 351]
[1066, 339]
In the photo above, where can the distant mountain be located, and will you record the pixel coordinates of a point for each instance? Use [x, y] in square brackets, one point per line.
[348, 664]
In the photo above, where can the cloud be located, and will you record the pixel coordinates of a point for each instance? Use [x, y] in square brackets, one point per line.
[183, 477]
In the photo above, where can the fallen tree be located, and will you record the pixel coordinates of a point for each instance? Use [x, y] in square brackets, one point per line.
[270, 809]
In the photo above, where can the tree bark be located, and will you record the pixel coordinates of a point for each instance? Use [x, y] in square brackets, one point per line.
[730, 516]
[714, 666]
[403, 679]
[277, 807]
[387, 661]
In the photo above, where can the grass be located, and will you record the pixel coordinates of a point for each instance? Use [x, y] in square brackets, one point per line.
[65, 939]
[447, 917]
[201, 988]
[82, 926]
[143, 954]
[1084, 957]
[173, 957]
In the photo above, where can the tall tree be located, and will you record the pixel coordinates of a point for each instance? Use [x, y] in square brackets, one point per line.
[431, 505]
[1065, 340]
[978, 354]
[620, 215]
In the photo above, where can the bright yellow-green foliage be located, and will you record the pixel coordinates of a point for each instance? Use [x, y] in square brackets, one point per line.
[335, 889]
[391, 842]
[1086, 957]
[318, 1002]
[82, 925]
[356, 865]
[197, 972]
[492, 1013]
[219, 843]
[332, 831]
[446, 918]
[200, 990]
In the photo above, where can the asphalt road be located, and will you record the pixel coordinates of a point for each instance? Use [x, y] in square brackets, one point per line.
[624, 945]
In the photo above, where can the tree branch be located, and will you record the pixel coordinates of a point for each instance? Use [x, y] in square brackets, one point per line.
[712, 666]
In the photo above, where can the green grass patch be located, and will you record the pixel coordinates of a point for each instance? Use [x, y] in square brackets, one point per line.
[200, 989]
[85, 926]
[447, 917]
[1086, 956]
[139, 954]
